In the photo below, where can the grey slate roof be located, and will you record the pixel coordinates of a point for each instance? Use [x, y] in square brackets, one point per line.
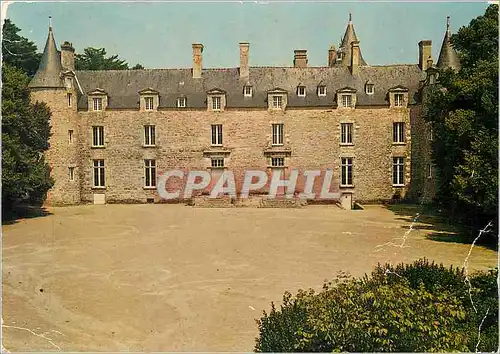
[123, 86]
[448, 57]
[48, 73]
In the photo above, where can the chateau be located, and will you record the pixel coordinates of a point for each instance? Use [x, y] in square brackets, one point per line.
[114, 131]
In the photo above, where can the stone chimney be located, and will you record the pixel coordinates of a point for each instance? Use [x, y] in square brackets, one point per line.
[332, 56]
[424, 52]
[244, 69]
[197, 60]
[68, 56]
[300, 58]
[354, 58]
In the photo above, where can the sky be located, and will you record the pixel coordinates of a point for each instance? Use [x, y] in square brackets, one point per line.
[159, 35]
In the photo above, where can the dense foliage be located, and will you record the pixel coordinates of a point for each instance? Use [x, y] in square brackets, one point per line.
[25, 134]
[411, 307]
[95, 59]
[18, 51]
[463, 110]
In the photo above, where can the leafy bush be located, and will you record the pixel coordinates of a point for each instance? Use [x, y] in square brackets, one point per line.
[409, 307]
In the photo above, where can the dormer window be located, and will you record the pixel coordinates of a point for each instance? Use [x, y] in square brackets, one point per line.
[247, 91]
[216, 100]
[369, 89]
[277, 99]
[301, 91]
[398, 99]
[148, 99]
[346, 100]
[181, 102]
[322, 91]
[346, 97]
[97, 103]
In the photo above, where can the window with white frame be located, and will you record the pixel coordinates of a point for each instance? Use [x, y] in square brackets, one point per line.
[216, 103]
[71, 172]
[70, 136]
[346, 133]
[346, 171]
[277, 130]
[277, 101]
[149, 173]
[398, 99]
[398, 132]
[369, 89]
[97, 103]
[149, 103]
[217, 134]
[301, 91]
[217, 162]
[181, 102]
[347, 100]
[69, 96]
[97, 136]
[99, 180]
[429, 171]
[247, 91]
[398, 171]
[149, 135]
[277, 161]
[321, 91]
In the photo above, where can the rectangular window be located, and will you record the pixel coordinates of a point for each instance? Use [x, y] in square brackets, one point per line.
[301, 91]
[277, 101]
[321, 90]
[369, 89]
[71, 171]
[181, 102]
[398, 173]
[149, 103]
[398, 132]
[216, 103]
[149, 135]
[346, 171]
[346, 100]
[278, 134]
[247, 91]
[217, 162]
[70, 136]
[69, 99]
[98, 136]
[398, 99]
[277, 161]
[99, 173]
[346, 133]
[217, 134]
[97, 103]
[150, 173]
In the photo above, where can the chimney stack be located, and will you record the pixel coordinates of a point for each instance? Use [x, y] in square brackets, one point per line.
[300, 58]
[332, 56]
[244, 69]
[197, 60]
[68, 56]
[354, 57]
[424, 52]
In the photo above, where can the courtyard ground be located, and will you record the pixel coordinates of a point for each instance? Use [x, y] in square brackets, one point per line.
[178, 278]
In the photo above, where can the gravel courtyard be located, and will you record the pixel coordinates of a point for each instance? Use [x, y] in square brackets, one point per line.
[177, 278]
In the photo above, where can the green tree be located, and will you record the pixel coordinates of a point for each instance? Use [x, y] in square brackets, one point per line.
[463, 110]
[25, 133]
[137, 67]
[18, 51]
[95, 59]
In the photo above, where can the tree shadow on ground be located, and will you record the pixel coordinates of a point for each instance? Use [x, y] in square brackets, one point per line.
[10, 217]
[441, 229]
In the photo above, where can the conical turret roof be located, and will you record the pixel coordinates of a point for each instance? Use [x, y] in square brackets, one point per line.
[345, 46]
[49, 71]
[448, 57]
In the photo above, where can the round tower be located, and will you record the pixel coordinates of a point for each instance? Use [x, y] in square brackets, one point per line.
[56, 87]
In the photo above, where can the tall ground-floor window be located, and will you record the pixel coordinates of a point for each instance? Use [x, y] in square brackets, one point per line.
[99, 180]
[346, 171]
[398, 171]
[150, 173]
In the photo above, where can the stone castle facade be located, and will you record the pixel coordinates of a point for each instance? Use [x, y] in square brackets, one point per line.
[113, 132]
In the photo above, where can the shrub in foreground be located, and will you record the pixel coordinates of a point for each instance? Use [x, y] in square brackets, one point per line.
[411, 307]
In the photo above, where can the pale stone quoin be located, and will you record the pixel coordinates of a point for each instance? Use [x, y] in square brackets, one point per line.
[115, 132]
